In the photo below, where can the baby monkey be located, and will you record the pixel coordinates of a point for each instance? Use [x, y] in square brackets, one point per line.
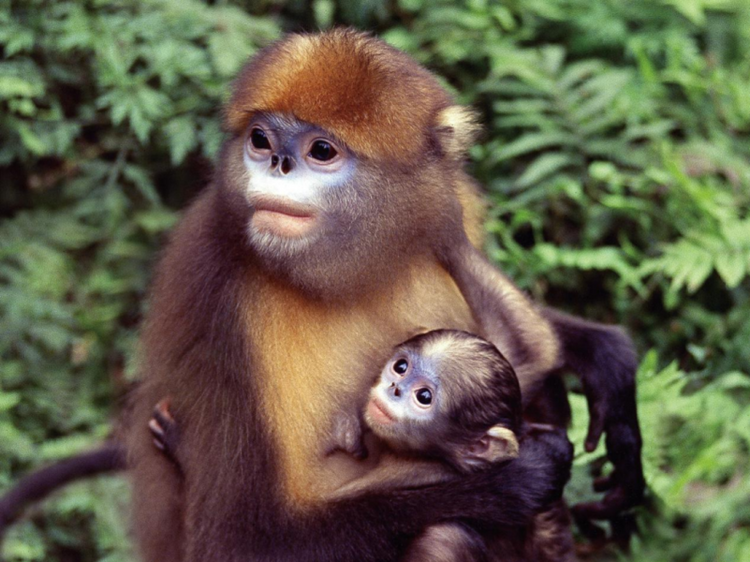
[453, 397]
[450, 395]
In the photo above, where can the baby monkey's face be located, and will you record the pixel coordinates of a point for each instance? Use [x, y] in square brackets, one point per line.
[405, 403]
[448, 394]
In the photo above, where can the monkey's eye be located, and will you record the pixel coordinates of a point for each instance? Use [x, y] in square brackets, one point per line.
[259, 140]
[424, 396]
[322, 151]
[400, 366]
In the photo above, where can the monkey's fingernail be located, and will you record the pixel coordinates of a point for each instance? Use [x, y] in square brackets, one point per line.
[159, 445]
[154, 426]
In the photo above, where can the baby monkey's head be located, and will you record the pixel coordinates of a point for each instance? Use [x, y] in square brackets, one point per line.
[448, 394]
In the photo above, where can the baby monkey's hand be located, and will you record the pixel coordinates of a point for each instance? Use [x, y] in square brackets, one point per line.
[165, 431]
[347, 436]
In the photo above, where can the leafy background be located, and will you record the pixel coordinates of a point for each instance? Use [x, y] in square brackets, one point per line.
[616, 158]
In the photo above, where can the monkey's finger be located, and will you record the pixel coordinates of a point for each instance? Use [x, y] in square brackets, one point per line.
[593, 532]
[162, 409]
[541, 427]
[164, 420]
[158, 444]
[156, 428]
[612, 504]
[623, 527]
[605, 483]
[596, 428]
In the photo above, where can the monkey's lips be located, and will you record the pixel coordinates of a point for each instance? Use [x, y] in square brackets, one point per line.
[283, 217]
[379, 413]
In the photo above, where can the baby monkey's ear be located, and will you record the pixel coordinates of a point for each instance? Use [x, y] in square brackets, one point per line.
[498, 444]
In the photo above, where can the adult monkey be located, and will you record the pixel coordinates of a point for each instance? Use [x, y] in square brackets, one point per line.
[284, 289]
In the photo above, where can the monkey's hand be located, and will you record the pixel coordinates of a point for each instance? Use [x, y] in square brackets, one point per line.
[165, 431]
[548, 447]
[605, 359]
[347, 436]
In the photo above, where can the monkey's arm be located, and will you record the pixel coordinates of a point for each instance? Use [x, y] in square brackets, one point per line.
[539, 342]
[545, 341]
[390, 474]
[506, 315]
[605, 359]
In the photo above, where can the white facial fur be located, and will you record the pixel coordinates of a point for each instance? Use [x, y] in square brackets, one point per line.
[309, 179]
[302, 185]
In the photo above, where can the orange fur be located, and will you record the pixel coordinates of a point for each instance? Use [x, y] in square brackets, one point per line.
[376, 99]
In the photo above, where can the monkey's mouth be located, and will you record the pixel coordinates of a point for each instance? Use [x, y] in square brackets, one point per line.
[283, 217]
[379, 413]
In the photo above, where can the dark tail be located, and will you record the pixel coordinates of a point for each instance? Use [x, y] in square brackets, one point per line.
[39, 484]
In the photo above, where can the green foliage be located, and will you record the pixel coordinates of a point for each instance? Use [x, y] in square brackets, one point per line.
[107, 113]
[616, 156]
[695, 459]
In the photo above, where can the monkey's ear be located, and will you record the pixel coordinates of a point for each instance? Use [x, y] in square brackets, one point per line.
[456, 129]
[498, 444]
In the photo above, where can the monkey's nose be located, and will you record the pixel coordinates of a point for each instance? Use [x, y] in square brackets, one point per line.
[284, 163]
[395, 390]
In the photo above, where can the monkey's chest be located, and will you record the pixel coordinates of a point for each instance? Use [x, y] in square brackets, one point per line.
[318, 361]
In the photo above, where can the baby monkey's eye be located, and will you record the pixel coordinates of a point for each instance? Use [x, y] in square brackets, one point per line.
[400, 366]
[322, 151]
[259, 140]
[424, 396]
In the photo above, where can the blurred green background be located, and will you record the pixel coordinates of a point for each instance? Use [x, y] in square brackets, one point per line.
[616, 157]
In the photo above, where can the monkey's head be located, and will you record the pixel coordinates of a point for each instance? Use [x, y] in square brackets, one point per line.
[450, 394]
[343, 157]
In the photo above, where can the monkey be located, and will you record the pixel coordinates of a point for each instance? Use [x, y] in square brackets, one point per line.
[466, 409]
[285, 283]
[452, 395]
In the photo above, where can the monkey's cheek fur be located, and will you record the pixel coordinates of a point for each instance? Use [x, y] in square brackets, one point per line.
[283, 225]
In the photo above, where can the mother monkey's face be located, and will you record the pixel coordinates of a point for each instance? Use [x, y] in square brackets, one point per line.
[343, 159]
